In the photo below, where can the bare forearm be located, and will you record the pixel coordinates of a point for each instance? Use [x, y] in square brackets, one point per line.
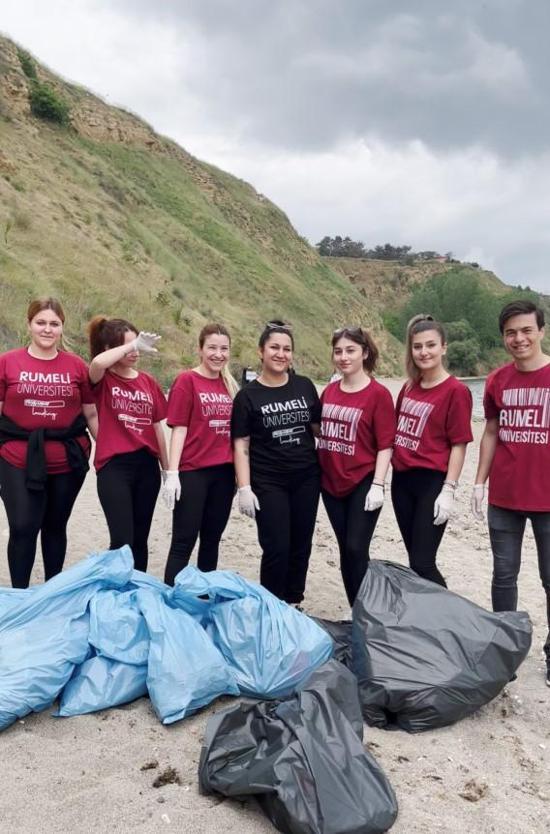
[382, 463]
[456, 461]
[105, 360]
[487, 449]
[161, 441]
[177, 442]
[242, 461]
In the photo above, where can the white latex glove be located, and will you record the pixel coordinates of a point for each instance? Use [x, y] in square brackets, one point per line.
[145, 342]
[476, 501]
[163, 476]
[171, 489]
[374, 498]
[248, 503]
[443, 504]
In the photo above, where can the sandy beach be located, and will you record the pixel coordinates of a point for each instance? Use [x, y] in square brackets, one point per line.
[488, 773]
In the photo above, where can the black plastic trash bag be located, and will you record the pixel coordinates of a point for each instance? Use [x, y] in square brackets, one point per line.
[302, 759]
[340, 631]
[425, 657]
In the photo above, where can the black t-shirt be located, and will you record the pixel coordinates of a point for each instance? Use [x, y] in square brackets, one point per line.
[278, 422]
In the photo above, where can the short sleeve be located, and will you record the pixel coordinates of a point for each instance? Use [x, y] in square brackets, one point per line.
[459, 416]
[180, 401]
[87, 395]
[3, 381]
[490, 407]
[400, 400]
[384, 423]
[241, 415]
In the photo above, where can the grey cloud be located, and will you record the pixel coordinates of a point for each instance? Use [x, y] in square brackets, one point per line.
[308, 75]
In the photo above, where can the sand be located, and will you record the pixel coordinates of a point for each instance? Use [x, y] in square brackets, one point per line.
[488, 773]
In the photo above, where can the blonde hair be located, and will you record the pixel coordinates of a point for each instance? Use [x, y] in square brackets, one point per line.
[419, 324]
[228, 379]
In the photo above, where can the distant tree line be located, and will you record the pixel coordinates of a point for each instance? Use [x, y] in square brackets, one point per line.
[345, 247]
[469, 312]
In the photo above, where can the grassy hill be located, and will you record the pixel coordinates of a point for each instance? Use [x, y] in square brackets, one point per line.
[99, 210]
[113, 218]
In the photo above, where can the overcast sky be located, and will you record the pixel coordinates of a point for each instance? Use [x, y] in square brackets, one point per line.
[420, 122]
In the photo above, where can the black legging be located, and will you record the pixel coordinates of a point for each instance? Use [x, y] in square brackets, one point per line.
[128, 486]
[353, 527]
[29, 513]
[202, 511]
[286, 521]
[413, 493]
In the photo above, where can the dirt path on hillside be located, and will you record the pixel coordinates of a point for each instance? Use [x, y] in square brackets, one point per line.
[486, 774]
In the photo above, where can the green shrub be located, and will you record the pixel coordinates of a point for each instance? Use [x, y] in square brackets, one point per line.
[27, 64]
[46, 104]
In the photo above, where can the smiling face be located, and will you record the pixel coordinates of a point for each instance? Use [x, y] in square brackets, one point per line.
[428, 350]
[276, 354]
[214, 353]
[46, 330]
[348, 356]
[522, 337]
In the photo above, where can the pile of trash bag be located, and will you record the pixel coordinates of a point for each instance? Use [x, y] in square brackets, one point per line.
[302, 759]
[101, 634]
[425, 657]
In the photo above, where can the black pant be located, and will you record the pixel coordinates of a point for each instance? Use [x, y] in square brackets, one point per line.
[31, 512]
[128, 486]
[203, 510]
[286, 521]
[506, 529]
[413, 493]
[353, 527]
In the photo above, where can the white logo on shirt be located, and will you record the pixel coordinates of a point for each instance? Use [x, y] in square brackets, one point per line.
[525, 415]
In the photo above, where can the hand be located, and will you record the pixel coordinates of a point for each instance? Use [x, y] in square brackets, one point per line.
[476, 501]
[374, 498]
[248, 503]
[171, 489]
[443, 505]
[144, 342]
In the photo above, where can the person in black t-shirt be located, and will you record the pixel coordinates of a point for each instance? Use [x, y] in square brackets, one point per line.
[273, 426]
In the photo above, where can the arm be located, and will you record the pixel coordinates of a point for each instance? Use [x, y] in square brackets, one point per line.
[382, 463]
[241, 450]
[177, 442]
[143, 342]
[487, 449]
[90, 414]
[456, 461]
[161, 440]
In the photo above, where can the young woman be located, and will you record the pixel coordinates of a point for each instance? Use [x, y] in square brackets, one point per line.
[274, 421]
[355, 447]
[45, 403]
[434, 413]
[200, 483]
[130, 438]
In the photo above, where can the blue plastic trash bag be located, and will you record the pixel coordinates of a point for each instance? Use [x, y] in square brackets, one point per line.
[271, 647]
[45, 634]
[117, 627]
[185, 670]
[100, 683]
[426, 657]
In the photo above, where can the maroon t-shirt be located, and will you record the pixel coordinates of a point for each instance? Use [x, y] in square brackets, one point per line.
[204, 406]
[355, 426]
[127, 410]
[520, 472]
[43, 393]
[429, 422]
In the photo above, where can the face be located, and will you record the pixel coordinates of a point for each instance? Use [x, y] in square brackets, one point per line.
[46, 329]
[276, 354]
[214, 354]
[522, 337]
[130, 359]
[348, 356]
[428, 350]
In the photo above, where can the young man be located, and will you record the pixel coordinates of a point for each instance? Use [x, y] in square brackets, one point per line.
[515, 455]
